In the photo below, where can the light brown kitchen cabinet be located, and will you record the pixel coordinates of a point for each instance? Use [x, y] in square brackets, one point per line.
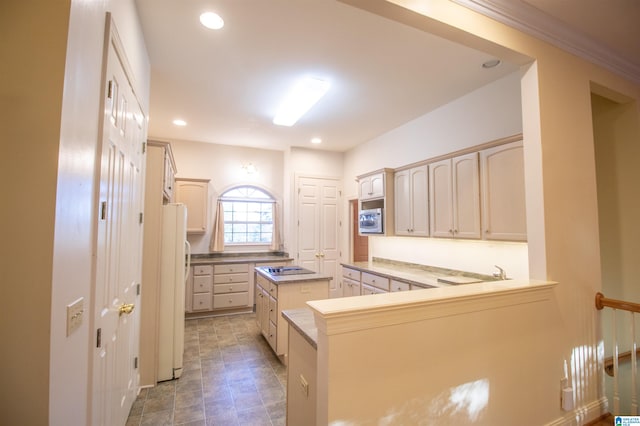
[375, 190]
[194, 193]
[372, 186]
[373, 280]
[454, 197]
[503, 193]
[278, 297]
[411, 194]
[199, 289]
[169, 174]
[350, 282]
[231, 286]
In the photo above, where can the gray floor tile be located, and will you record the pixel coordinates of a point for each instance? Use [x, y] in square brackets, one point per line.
[230, 377]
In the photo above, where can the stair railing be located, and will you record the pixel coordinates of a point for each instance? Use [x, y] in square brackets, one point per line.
[632, 308]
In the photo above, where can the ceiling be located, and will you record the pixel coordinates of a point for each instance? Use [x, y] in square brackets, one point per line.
[227, 84]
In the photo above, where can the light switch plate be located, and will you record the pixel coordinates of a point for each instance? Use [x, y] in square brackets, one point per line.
[304, 386]
[75, 312]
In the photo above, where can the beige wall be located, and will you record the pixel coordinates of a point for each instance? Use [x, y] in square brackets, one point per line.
[222, 164]
[50, 101]
[31, 105]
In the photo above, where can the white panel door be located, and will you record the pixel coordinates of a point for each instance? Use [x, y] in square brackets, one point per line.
[319, 227]
[118, 245]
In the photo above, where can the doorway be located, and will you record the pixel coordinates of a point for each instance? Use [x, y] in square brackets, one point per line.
[360, 243]
[616, 132]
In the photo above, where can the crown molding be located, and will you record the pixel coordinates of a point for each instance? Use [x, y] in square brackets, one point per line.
[532, 21]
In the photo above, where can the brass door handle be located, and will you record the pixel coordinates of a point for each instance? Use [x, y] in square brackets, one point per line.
[126, 308]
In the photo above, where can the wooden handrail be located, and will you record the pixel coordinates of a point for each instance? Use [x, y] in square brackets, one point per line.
[602, 301]
[623, 357]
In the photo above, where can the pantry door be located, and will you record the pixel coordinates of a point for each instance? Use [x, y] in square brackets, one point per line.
[118, 264]
[319, 227]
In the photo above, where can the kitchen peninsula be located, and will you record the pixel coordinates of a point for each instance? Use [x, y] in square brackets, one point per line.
[280, 288]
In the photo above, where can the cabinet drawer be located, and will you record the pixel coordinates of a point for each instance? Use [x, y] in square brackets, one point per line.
[375, 280]
[230, 288]
[202, 302]
[351, 273]
[232, 300]
[203, 269]
[400, 286]
[273, 290]
[230, 278]
[273, 336]
[202, 283]
[232, 268]
[273, 310]
[367, 289]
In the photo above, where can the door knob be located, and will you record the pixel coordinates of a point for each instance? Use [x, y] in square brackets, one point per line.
[126, 308]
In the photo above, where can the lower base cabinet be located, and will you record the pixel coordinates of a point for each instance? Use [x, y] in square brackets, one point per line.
[272, 299]
[302, 372]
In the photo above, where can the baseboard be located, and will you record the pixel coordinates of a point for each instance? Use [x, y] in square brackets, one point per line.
[584, 414]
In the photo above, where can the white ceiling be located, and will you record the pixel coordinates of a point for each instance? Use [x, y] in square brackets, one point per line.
[227, 84]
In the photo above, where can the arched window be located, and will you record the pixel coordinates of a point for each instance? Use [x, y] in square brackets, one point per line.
[248, 216]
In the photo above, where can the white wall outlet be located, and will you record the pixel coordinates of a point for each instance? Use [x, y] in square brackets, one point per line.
[75, 312]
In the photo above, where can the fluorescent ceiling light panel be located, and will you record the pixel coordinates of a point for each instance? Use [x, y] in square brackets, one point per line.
[300, 99]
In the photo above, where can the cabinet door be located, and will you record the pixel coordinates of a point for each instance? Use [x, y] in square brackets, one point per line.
[419, 201]
[440, 201]
[194, 193]
[503, 193]
[402, 188]
[466, 196]
[377, 185]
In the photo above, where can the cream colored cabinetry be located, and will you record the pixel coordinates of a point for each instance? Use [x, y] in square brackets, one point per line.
[375, 190]
[350, 282]
[194, 194]
[399, 286]
[375, 281]
[454, 197]
[169, 173]
[274, 298]
[231, 286]
[158, 173]
[503, 193]
[199, 289]
[411, 194]
[371, 186]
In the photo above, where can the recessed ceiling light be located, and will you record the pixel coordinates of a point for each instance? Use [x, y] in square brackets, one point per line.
[491, 63]
[211, 20]
[179, 122]
[302, 96]
[316, 141]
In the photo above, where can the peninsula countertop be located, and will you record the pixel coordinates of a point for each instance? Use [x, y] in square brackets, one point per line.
[303, 321]
[418, 275]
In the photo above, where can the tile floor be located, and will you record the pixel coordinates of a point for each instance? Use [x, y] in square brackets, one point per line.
[230, 377]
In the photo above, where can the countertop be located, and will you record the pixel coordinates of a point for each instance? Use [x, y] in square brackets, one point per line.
[228, 258]
[303, 321]
[289, 279]
[418, 275]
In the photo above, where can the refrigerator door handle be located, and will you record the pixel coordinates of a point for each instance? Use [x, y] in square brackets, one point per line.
[186, 272]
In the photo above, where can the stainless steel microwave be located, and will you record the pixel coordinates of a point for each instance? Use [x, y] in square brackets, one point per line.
[370, 221]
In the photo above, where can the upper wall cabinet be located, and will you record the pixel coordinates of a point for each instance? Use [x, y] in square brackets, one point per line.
[454, 197]
[503, 193]
[194, 193]
[376, 191]
[371, 186]
[411, 192]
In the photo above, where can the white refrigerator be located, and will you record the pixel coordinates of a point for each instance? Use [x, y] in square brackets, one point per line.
[175, 258]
